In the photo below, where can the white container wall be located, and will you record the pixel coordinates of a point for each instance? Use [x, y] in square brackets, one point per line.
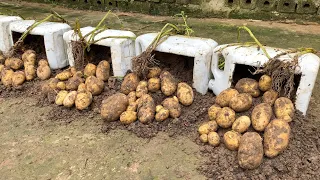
[122, 49]
[52, 33]
[233, 55]
[199, 48]
[5, 34]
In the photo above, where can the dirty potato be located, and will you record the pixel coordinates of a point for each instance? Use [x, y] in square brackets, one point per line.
[29, 57]
[168, 83]
[73, 83]
[16, 63]
[90, 70]
[82, 88]
[83, 100]
[30, 72]
[128, 117]
[142, 89]
[261, 116]
[53, 83]
[129, 83]
[213, 111]
[241, 124]
[185, 94]
[232, 140]
[60, 97]
[225, 117]
[162, 114]
[44, 72]
[132, 106]
[113, 106]
[61, 85]
[154, 72]
[18, 78]
[132, 97]
[204, 138]
[225, 96]
[284, 109]
[6, 78]
[250, 153]
[70, 99]
[213, 139]
[64, 75]
[154, 84]
[173, 105]
[103, 70]
[146, 108]
[43, 62]
[248, 85]
[265, 83]
[270, 97]
[241, 102]
[94, 85]
[210, 126]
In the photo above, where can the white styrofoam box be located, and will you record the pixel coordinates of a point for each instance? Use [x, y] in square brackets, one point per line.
[122, 49]
[233, 55]
[5, 34]
[52, 33]
[199, 48]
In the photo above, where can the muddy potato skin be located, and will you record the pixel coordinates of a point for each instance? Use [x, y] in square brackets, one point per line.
[53, 83]
[162, 114]
[6, 78]
[18, 78]
[132, 106]
[129, 83]
[132, 97]
[154, 72]
[284, 109]
[43, 62]
[154, 84]
[82, 88]
[16, 63]
[250, 153]
[241, 124]
[44, 72]
[146, 109]
[204, 138]
[61, 85]
[225, 96]
[142, 89]
[64, 75]
[241, 102]
[70, 99]
[270, 97]
[168, 83]
[265, 83]
[248, 85]
[128, 117]
[73, 83]
[113, 106]
[30, 72]
[261, 116]
[90, 70]
[225, 117]
[213, 111]
[213, 139]
[94, 85]
[60, 97]
[83, 100]
[276, 137]
[232, 140]
[173, 105]
[103, 70]
[185, 94]
[29, 57]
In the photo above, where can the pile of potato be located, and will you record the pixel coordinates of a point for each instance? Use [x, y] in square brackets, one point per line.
[250, 145]
[135, 102]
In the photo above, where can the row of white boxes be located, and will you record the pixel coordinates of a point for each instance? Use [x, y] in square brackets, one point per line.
[206, 54]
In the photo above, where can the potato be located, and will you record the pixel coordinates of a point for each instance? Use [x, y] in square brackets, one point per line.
[225, 96]
[61, 85]
[250, 153]
[265, 83]
[64, 75]
[158, 108]
[29, 57]
[18, 78]
[128, 117]
[146, 108]
[90, 70]
[16, 63]
[8, 62]
[154, 84]
[73, 71]
[43, 62]
[204, 138]
[132, 97]
[113, 106]
[77, 74]
[60, 97]
[213, 139]
[162, 114]
[154, 72]
[173, 105]
[142, 89]
[73, 83]
[53, 82]
[261, 116]
[241, 102]
[168, 83]
[103, 70]
[284, 109]
[30, 72]
[185, 94]
[207, 127]
[270, 97]
[82, 88]
[241, 124]
[2, 59]
[248, 85]
[225, 117]
[44, 72]
[213, 111]
[276, 137]
[83, 100]
[6, 78]
[70, 99]
[129, 83]
[232, 140]
[94, 85]
[132, 106]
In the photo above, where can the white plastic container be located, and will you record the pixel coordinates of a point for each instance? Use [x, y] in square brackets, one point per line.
[5, 35]
[122, 49]
[233, 55]
[52, 33]
[199, 48]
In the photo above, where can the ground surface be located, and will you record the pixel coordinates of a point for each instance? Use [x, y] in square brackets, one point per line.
[42, 141]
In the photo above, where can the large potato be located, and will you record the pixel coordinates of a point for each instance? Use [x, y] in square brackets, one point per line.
[18, 78]
[284, 109]
[241, 124]
[6, 78]
[185, 94]
[16, 63]
[241, 102]
[250, 153]
[248, 85]
[142, 89]
[61, 85]
[83, 100]
[129, 83]
[173, 105]
[225, 117]
[213, 111]
[213, 139]
[70, 99]
[162, 114]
[94, 85]
[73, 83]
[154, 72]
[168, 83]
[113, 106]
[29, 57]
[146, 108]
[276, 137]
[225, 96]
[128, 117]
[232, 140]
[60, 97]
[103, 70]
[90, 70]
[64, 75]
[44, 72]
[270, 97]
[261, 116]
[154, 84]
[30, 72]
[265, 83]
[132, 97]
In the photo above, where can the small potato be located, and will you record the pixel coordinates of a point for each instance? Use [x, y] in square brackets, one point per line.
[44, 72]
[53, 82]
[241, 124]
[158, 108]
[70, 99]
[61, 85]
[173, 105]
[94, 85]
[132, 97]
[83, 100]
[90, 70]
[276, 137]
[168, 83]
[213, 139]
[225, 96]
[16, 63]
[64, 75]
[128, 117]
[154, 84]
[146, 108]
[82, 88]
[60, 97]
[129, 83]
[204, 128]
[103, 70]
[132, 107]
[6, 78]
[29, 57]
[225, 117]
[270, 97]
[265, 83]
[30, 72]
[248, 85]
[113, 106]
[142, 89]
[185, 94]
[18, 78]
[73, 83]
[284, 109]
[43, 62]
[154, 72]
[213, 111]
[232, 140]
[250, 153]
[8, 62]
[162, 114]
[261, 116]
[213, 126]
[241, 102]
[204, 138]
